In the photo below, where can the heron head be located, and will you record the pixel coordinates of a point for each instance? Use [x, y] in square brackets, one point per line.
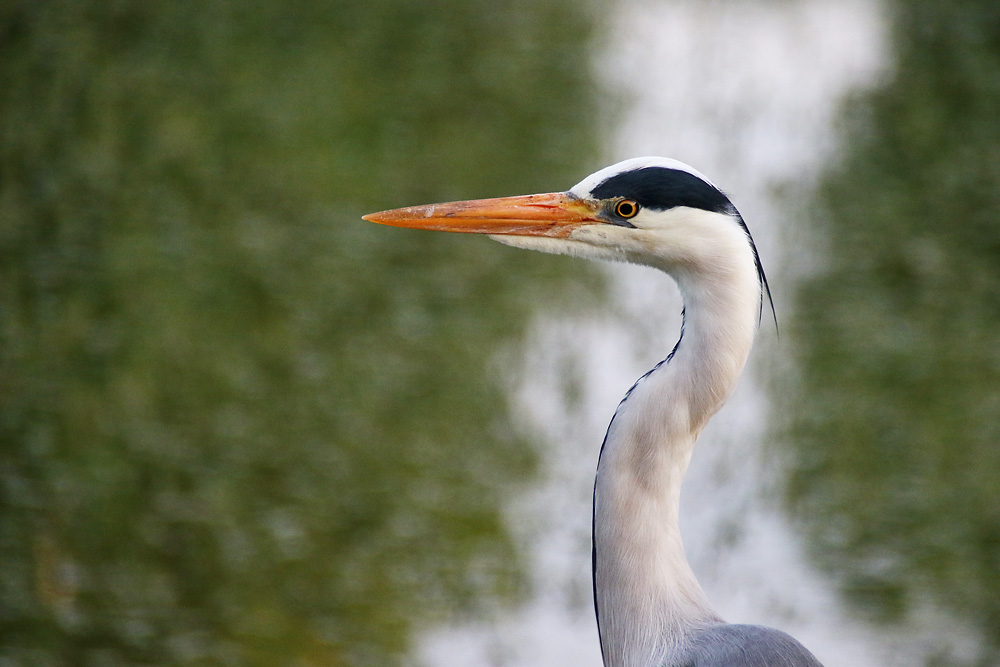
[649, 210]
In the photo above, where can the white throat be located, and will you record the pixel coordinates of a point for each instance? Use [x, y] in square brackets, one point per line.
[646, 593]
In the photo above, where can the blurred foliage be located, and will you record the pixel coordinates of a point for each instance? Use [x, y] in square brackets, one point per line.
[238, 424]
[896, 416]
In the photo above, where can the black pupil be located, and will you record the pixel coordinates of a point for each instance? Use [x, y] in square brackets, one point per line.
[626, 209]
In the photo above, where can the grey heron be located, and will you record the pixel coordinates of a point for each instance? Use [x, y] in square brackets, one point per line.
[651, 611]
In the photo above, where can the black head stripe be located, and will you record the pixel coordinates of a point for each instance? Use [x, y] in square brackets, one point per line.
[662, 188]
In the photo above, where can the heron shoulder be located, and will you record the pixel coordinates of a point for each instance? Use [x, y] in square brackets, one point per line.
[734, 645]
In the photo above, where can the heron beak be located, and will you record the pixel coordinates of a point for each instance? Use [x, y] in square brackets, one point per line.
[555, 214]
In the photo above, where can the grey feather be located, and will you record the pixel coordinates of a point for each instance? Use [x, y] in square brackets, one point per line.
[728, 645]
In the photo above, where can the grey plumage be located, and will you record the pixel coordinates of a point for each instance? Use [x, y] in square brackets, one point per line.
[732, 645]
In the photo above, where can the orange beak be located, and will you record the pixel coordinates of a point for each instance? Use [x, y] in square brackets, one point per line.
[555, 214]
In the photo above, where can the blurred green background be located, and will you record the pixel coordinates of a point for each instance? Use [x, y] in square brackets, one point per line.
[895, 411]
[240, 426]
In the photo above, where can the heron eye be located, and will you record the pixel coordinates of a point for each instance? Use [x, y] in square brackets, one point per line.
[627, 208]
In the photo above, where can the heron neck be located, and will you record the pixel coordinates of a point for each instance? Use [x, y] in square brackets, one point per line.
[646, 594]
